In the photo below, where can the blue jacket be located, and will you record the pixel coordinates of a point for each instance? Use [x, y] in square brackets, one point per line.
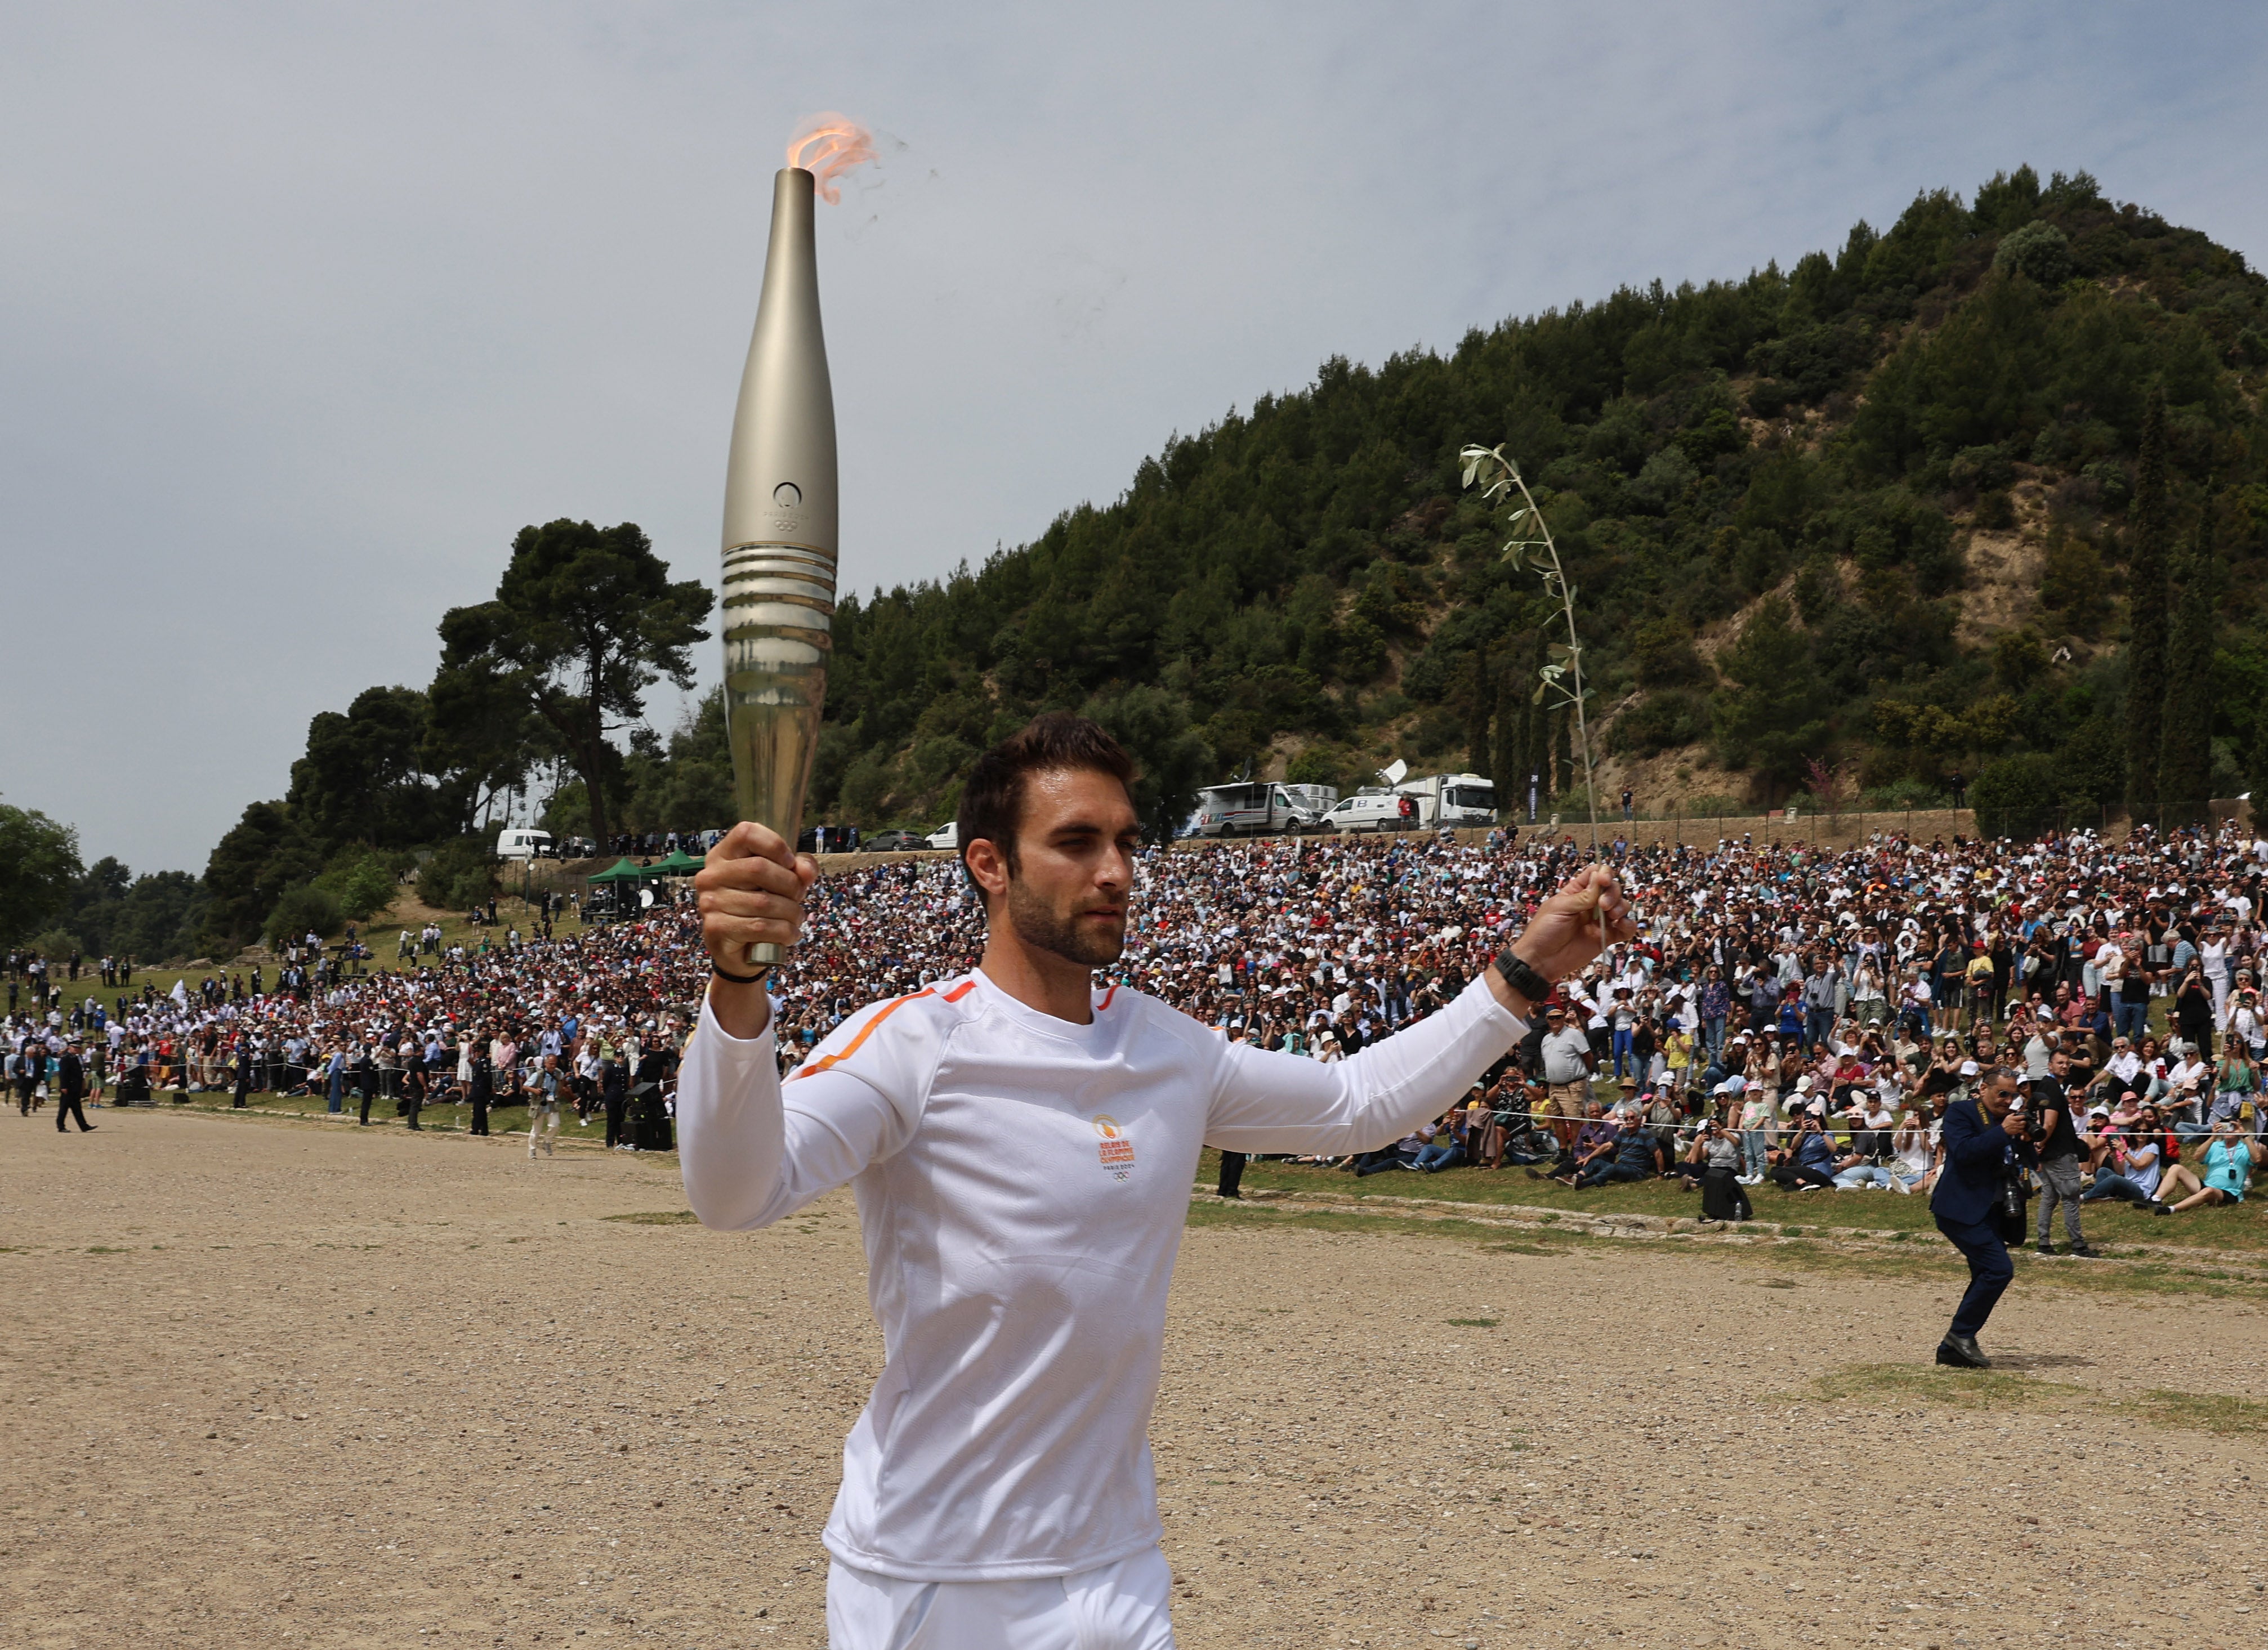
[1976, 1152]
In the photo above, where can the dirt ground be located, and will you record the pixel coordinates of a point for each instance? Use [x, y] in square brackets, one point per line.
[279, 1383]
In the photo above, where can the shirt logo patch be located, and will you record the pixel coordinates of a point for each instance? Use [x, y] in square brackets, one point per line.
[1117, 1152]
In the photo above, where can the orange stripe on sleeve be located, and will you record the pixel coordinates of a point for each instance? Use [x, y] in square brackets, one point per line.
[865, 1032]
[960, 991]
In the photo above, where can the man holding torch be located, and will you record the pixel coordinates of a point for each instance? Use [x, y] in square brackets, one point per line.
[1021, 1145]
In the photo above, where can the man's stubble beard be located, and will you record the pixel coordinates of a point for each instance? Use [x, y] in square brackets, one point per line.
[1042, 930]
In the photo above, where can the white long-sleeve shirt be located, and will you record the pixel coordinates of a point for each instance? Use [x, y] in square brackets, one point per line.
[1022, 1183]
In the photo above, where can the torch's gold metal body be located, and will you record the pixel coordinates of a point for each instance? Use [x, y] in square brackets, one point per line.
[780, 533]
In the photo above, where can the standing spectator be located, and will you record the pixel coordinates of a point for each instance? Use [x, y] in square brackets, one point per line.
[71, 1084]
[2057, 1141]
[1568, 1062]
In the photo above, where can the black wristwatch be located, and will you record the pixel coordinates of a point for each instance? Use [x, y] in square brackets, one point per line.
[1523, 979]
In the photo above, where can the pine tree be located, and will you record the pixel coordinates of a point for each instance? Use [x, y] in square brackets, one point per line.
[1476, 708]
[2145, 647]
[2185, 762]
[1510, 769]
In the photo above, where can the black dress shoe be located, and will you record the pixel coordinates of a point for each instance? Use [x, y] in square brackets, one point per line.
[1962, 1351]
[2086, 1251]
[2049, 1249]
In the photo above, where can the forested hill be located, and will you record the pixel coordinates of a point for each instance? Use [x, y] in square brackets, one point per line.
[1876, 511]
[1979, 498]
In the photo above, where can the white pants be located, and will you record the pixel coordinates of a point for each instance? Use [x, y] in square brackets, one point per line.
[540, 1119]
[1122, 1606]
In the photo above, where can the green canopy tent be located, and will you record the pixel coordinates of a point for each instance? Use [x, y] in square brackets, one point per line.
[621, 871]
[680, 863]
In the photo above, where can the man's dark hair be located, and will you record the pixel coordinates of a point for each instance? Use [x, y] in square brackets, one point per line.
[992, 797]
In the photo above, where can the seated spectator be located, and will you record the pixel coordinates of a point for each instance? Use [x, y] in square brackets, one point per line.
[1663, 1118]
[2228, 1159]
[2132, 1170]
[1442, 1149]
[1402, 1154]
[1594, 1140]
[1807, 1162]
[1712, 1164]
[1913, 1156]
[1636, 1157]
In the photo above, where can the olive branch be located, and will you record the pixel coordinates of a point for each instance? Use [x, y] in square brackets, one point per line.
[1532, 549]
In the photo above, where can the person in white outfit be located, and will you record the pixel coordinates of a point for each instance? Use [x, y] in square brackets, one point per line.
[1021, 1143]
[543, 1106]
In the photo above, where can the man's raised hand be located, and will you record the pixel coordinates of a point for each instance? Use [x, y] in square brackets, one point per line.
[750, 892]
[1566, 932]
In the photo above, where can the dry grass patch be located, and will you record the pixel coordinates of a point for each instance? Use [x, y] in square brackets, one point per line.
[1998, 1388]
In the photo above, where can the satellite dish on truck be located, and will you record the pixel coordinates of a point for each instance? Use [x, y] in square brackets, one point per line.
[1395, 774]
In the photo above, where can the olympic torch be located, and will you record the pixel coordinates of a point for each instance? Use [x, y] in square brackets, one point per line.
[780, 517]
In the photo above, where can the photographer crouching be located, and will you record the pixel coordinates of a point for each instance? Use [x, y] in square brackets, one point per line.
[1987, 1148]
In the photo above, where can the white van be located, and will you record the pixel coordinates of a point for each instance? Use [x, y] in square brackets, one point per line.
[523, 844]
[1258, 807]
[945, 836]
[1366, 811]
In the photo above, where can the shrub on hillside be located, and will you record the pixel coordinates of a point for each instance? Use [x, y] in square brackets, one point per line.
[460, 874]
[2039, 250]
[2017, 796]
[59, 945]
[363, 884]
[1659, 722]
[304, 910]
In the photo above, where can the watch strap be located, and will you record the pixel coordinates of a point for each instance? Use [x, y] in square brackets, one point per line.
[1522, 978]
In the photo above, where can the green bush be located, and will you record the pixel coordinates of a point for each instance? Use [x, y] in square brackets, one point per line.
[1659, 722]
[362, 884]
[461, 875]
[2039, 250]
[302, 911]
[59, 945]
[2017, 796]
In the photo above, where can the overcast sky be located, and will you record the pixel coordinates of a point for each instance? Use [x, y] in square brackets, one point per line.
[304, 310]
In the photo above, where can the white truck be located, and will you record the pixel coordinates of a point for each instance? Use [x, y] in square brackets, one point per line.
[1259, 807]
[1452, 798]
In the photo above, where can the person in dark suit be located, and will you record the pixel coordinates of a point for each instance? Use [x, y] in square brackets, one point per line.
[483, 1086]
[243, 1073]
[71, 1080]
[614, 1093]
[1982, 1138]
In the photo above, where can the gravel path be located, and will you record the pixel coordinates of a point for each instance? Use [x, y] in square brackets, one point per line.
[269, 1383]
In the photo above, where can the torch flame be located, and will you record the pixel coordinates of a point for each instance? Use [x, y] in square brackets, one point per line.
[828, 146]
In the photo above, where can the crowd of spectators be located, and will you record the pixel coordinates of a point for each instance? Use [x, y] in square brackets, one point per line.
[1788, 1013]
[591, 1022]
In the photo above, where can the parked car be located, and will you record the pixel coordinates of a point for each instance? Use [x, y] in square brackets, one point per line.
[892, 842]
[945, 836]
